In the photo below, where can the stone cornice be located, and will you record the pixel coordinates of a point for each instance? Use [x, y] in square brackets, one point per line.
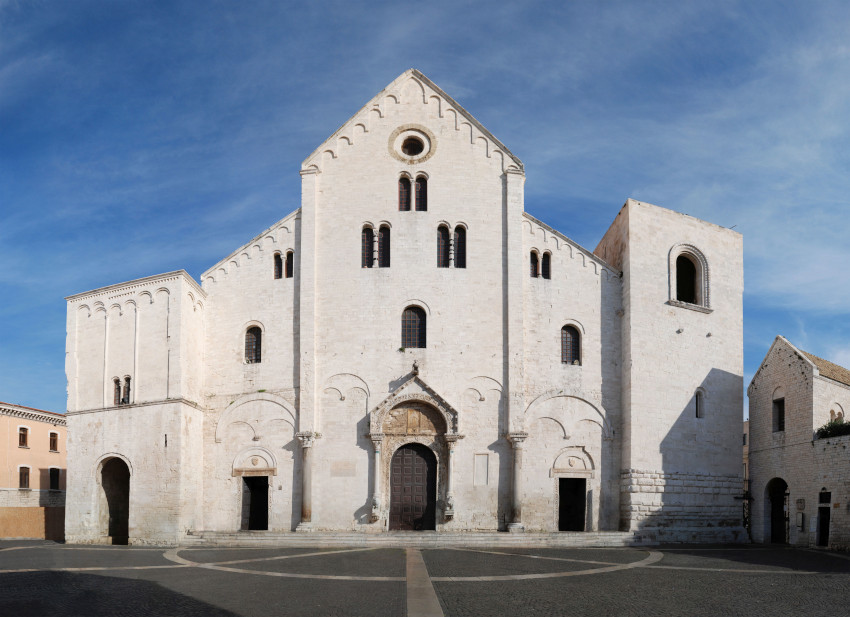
[136, 283]
[119, 408]
[28, 413]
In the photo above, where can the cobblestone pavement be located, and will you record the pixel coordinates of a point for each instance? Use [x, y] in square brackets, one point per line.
[41, 578]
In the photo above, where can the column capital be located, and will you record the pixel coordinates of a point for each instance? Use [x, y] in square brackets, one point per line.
[516, 438]
[377, 440]
[307, 438]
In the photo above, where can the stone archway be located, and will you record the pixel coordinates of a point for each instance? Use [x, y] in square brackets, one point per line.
[776, 514]
[115, 482]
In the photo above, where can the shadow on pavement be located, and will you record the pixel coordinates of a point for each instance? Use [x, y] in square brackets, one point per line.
[70, 594]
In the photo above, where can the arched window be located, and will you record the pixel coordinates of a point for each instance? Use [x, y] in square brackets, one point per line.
[686, 280]
[699, 404]
[278, 266]
[367, 240]
[442, 246]
[253, 345]
[570, 345]
[23, 437]
[535, 265]
[384, 247]
[460, 247]
[116, 391]
[404, 194]
[413, 327]
[290, 257]
[421, 194]
[547, 265]
[125, 397]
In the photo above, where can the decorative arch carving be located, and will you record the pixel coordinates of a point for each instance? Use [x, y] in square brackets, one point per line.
[281, 410]
[703, 274]
[405, 394]
[599, 416]
[343, 383]
[572, 462]
[254, 461]
[110, 455]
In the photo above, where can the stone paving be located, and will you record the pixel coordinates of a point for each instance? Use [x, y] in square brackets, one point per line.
[41, 578]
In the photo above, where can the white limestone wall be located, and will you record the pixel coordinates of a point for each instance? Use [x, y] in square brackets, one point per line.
[165, 494]
[358, 310]
[146, 330]
[670, 352]
[568, 406]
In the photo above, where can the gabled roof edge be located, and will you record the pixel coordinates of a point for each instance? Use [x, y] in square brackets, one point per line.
[572, 243]
[780, 338]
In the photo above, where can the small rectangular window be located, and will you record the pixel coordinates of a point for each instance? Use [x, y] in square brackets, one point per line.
[824, 497]
[54, 479]
[24, 477]
[54, 442]
[745, 439]
[779, 415]
[23, 437]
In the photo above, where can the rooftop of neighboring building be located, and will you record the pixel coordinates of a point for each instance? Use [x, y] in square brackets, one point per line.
[828, 369]
[32, 412]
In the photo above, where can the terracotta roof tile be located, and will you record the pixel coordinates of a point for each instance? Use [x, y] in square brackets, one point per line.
[829, 369]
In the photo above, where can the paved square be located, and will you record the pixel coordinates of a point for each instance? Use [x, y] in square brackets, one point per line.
[40, 578]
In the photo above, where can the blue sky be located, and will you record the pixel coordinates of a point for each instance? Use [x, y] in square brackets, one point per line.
[143, 137]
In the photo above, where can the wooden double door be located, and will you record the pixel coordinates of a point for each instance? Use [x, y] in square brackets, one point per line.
[413, 488]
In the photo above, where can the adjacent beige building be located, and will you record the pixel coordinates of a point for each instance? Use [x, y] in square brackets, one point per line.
[409, 349]
[799, 484]
[32, 463]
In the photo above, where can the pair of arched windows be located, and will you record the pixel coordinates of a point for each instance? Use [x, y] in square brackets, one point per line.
[253, 345]
[367, 247]
[451, 248]
[413, 327]
[420, 189]
[120, 397]
[283, 268]
[570, 345]
[541, 266]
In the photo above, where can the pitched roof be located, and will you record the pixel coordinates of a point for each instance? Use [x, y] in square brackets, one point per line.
[829, 369]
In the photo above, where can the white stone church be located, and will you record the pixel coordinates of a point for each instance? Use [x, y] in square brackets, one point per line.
[410, 350]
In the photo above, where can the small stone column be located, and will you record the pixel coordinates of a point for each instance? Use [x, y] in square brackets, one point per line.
[451, 440]
[307, 439]
[516, 439]
[377, 442]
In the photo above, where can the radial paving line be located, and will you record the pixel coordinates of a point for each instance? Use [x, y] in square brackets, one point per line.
[172, 556]
[599, 563]
[652, 558]
[421, 598]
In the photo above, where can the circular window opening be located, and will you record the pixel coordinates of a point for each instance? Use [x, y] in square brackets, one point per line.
[412, 146]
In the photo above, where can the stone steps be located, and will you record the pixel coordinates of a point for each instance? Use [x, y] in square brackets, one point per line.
[422, 539]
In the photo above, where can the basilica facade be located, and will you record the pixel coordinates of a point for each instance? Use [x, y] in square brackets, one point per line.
[409, 350]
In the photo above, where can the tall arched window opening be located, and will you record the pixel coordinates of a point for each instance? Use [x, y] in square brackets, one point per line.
[278, 266]
[290, 258]
[404, 194]
[686, 280]
[253, 345]
[367, 240]
[699, 404]
[125, 397]
[116, 391]
[384, 247]
[570, 345]
[442, 246]
[535, 265]
[421, 194]
[413, 327]
[547, 266]
[460, 247]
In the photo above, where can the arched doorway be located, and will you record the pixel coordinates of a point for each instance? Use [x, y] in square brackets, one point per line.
[115, 480]
[776, 505]
[413, 488]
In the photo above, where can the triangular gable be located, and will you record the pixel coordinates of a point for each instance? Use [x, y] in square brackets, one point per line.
[284, 222]
[413, 389]
[781, 340]
[377, 102]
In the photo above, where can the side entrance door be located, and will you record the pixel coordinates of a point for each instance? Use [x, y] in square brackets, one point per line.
[413, 488]
[572, 503]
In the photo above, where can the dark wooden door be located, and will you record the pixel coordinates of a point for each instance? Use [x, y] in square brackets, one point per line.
[572, 494]
[413, 488]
